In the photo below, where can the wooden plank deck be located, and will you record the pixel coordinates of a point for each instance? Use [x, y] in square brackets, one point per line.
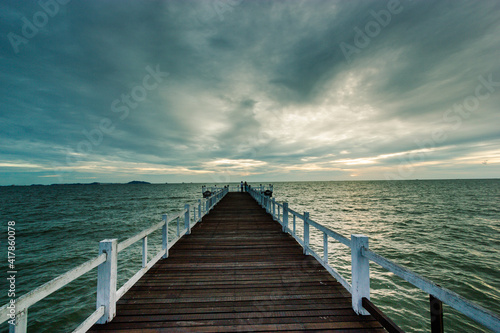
[237, 272]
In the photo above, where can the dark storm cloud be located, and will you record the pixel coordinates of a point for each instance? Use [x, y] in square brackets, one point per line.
[269, 83]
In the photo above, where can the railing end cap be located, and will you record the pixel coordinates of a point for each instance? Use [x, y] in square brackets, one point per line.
[358, 236]
[109, 240]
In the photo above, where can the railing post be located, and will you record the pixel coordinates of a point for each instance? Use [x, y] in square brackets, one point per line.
[294, 225]
[285, 216]
[21, 325]
[145, 251]
[306, 233]
[360, 271]
[437, 325]
[106, 280]
[325, 247]
[178, 226]
[199, 209]
[164, 234]
[187, 225]
[207, 206]
[274, 208]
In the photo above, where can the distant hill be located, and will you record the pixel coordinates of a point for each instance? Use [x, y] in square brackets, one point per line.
[72, 184]
[138, 182]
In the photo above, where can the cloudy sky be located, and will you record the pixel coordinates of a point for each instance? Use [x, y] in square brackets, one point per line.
[230, 90]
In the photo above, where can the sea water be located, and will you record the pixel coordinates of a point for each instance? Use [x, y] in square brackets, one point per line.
[445, 230]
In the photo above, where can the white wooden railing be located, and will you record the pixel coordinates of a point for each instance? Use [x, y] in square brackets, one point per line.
[106, 263]
[360, 259]
[236, 188]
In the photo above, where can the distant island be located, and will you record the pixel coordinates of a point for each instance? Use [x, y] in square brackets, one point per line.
[138, 182]
[94, 183]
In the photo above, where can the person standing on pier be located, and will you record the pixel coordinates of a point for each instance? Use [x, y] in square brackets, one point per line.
[241, 185]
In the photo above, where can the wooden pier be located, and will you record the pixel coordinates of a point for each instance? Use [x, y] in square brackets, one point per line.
[238, 264]
[237, 272]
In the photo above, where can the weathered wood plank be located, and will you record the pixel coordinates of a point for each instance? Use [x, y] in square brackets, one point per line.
[237, 272]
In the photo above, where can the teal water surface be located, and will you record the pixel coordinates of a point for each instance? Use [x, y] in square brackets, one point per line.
[445, 230]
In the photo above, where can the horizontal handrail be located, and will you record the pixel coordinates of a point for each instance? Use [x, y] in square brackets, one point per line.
[27, 300]
[90, 321]
[300, 216]
[127, 285]
[106, 258]
[343, 281]
[459, 303]
[360, 274]
[331, 233]
[238, 188]
[128, 242]
[130, 283]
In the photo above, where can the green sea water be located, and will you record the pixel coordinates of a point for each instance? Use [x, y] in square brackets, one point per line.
[445, 230]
